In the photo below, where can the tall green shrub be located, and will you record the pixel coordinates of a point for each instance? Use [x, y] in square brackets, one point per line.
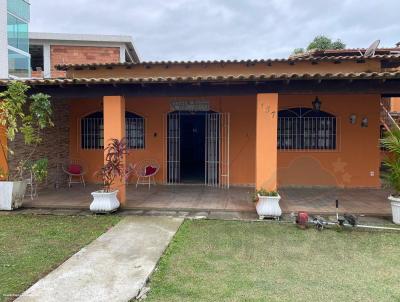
[26, 115]
[391, 142]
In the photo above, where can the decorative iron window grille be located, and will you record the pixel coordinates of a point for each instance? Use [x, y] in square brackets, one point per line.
[92, 131]
[306, 129]
[135, 131]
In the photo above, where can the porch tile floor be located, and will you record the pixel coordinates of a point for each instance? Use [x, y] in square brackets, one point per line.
[371, 202]
[189, 198]
[183, 197]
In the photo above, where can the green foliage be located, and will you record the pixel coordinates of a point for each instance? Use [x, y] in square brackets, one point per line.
[39, 118]
[322, 43]
[40, 110]
[15, 118]
[264, 192]
[297, 51]
[391, 142]
[28, 116]
[338, 44]
[12, 107]
[38, 168]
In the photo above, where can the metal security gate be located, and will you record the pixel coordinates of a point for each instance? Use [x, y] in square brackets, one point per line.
[173, 143]
[216, 165]
[217, 150]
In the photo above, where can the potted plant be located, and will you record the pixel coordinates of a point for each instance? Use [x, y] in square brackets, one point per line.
[268, 204]
[28, 116]
[105, 200]
[391, 142]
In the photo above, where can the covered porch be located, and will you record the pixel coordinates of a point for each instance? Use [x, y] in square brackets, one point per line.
[262, 150]
[369, 202]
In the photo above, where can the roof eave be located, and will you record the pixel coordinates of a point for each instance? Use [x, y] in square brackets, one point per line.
[216, 79]
[268, 61]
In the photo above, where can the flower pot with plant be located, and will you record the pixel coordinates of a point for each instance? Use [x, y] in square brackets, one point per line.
[391, 142]
[267, 204]
[28, 116]
[105, 200]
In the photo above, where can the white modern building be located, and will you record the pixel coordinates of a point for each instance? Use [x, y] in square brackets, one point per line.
[14, 41]
[50, 49]
[26, 54]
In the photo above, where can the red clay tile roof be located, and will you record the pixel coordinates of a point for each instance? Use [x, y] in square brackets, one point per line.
[287, 60]
[349, 52]
[230, 78]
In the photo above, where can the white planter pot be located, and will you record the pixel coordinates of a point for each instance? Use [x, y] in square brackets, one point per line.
[12, 194]
[104, 202]
[268, 206]
[395, 202]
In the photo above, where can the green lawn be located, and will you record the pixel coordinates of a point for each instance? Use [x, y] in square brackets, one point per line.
[243, 261]
[31, 246]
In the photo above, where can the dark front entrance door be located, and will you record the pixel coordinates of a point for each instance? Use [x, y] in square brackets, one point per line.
[192, 147]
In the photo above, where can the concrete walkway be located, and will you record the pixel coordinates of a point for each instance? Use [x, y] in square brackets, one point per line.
[114, 267]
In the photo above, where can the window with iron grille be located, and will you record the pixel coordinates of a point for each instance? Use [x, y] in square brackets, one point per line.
[135, 132]
[306, 129]
[92, 131]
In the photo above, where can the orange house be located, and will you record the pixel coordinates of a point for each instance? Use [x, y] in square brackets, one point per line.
[307, 121]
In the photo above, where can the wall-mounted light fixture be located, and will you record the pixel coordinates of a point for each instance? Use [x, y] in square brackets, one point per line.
[364, 122]
[316, 104]
[353, 119]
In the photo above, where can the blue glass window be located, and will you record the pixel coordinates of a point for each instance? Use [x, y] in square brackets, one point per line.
[18, 65]
[19, 8]
[17, 33]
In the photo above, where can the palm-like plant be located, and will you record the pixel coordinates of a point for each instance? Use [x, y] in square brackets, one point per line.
[391, 142]
[113, 166]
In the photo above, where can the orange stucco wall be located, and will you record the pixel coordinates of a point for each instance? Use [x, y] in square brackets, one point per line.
[154, 110]
[356, 161]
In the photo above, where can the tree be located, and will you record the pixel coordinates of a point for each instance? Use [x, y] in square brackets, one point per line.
[321, 43]
[338, 44]
[26, 115]
[297, 51]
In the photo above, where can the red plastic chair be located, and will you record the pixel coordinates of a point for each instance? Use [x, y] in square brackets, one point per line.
[145, 171]
[75, 172]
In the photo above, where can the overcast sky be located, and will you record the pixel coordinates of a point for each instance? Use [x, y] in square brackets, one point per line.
[222, 29]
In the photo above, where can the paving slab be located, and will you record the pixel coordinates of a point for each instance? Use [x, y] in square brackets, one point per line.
[114, 267]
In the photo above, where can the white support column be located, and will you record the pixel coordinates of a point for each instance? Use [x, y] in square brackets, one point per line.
[122, 58]
[46, 61]
[3, 40]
